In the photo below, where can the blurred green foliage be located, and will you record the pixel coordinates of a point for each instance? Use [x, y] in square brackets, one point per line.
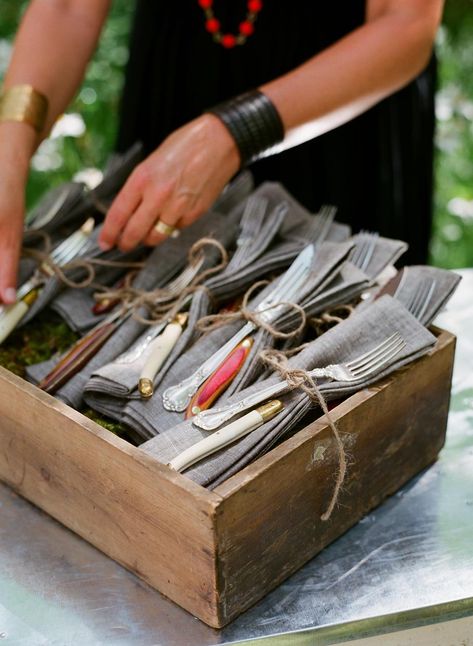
[98, 102]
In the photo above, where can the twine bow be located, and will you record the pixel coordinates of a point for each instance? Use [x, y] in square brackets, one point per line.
[297, 378]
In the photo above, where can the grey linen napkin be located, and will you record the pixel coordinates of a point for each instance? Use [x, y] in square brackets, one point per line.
[164, 262]
[344, 342]
[149, 417]
[444, 284]
[386, 251]
[53, 208]
[119, 379]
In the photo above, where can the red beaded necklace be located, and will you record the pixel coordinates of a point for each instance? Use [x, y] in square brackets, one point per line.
[246, 27]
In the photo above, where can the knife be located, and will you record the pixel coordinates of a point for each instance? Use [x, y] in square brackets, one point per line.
[219, 381]
[226, 435]
[13, 314]
[159, 350]
[81, 352]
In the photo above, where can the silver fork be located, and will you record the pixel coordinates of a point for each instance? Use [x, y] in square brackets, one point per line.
[174, 287]
[176, 398]
[70, 248]
[363, 252]
[355, 370]
[421, 298]
[251, 223]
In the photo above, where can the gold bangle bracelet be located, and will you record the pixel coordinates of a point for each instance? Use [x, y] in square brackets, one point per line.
[24, 104]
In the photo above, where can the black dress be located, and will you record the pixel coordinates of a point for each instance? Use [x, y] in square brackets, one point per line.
[377, 169]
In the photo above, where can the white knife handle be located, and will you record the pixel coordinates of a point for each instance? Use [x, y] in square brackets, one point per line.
[10, 317]
[225, 436]
[176, 398]
[158, 352]
[217, 440]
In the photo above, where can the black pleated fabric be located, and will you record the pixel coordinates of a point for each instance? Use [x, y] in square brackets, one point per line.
[377, 169]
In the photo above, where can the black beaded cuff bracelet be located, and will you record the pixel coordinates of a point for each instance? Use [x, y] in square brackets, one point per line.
[253, 122]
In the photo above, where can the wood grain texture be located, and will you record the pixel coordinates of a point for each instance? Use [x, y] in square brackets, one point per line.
[217, 553]
[156, 523]
[269, 523]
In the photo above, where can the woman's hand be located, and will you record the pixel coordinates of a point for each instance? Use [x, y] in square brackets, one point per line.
[176, 184]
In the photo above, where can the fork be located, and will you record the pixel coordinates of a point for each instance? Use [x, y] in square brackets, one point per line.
[27, 294]
[421, 298]
[176, 398]
[352, 371]
[321, 226]
[363, 252]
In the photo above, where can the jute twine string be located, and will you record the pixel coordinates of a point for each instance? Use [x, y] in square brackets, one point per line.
[329, 318]
[215, 321]
[297, 378]
[164, 302]
[45, 261]
[159, 302]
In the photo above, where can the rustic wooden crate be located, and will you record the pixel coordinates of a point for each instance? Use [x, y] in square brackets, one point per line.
[218, 552]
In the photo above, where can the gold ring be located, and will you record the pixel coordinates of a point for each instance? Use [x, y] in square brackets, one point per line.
[164, 229]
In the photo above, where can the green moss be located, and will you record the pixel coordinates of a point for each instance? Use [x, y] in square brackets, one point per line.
[39, 340]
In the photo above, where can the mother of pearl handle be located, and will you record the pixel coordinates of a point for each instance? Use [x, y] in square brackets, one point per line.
[226, 435]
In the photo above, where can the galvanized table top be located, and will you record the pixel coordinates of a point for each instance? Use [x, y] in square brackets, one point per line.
[407, 563]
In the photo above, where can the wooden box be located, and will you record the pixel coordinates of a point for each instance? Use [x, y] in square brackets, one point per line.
[218, 552]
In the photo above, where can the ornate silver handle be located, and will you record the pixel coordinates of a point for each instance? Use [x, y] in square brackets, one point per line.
[176, 398]
[212, 418]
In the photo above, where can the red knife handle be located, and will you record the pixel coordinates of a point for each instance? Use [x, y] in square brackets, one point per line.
[77, 357]
[219, 380]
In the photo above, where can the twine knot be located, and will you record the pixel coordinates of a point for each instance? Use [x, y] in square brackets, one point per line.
[215, 321]
[297, 378]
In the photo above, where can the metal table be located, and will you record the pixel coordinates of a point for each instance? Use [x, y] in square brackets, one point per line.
[409, 562]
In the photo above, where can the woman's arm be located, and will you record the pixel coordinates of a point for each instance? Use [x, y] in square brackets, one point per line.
[348, 78]
[54, 43]
[183, 177]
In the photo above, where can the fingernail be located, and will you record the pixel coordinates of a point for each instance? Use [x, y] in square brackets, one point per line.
[9, 295]
[105, 246]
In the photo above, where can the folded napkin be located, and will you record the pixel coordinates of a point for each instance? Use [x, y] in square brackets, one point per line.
[438, 284]
[344, 342]
[162, 265]
[443, 282]
[384, 252]
[119, 378]
[54, 207]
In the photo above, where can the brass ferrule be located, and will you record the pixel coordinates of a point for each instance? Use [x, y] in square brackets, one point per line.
[181, 318]
[24, 104]
[31, 297]
[146, 388]
[270, 409]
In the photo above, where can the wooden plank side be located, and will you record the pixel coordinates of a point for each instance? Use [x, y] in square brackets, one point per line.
[156, 523]
[269, 523]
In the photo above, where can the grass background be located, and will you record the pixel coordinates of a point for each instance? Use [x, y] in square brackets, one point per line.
[86, 138]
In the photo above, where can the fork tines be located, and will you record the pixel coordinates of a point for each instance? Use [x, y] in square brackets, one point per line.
[363, 252]
[421, 298]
